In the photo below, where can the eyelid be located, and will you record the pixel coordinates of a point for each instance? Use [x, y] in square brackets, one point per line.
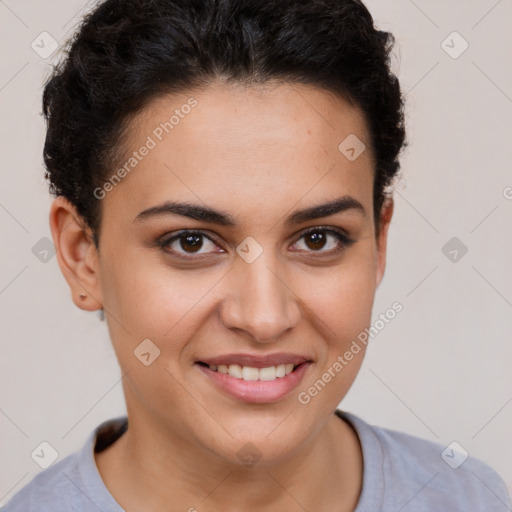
[343, 238]
[327, 229]
[168, 238]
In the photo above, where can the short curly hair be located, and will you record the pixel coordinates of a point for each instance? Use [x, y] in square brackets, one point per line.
[126, 53]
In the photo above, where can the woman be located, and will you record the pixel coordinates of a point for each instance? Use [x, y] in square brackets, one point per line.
[221, 172]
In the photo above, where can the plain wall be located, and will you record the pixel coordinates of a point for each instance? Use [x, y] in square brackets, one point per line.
[440, 370]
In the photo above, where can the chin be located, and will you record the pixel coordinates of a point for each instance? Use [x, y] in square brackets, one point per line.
[270, 442]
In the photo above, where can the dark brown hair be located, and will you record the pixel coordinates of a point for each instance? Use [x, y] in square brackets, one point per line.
[127, 52]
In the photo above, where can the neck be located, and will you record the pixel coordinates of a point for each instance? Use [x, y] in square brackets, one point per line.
[147, 472]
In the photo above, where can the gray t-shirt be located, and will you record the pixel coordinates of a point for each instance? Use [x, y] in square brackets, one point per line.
[401, 473]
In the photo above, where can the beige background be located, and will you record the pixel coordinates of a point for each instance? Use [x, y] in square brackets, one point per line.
[439, 370]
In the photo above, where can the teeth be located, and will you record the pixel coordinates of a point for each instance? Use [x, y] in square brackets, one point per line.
[235, 370]
[269, 373]
[251, 373]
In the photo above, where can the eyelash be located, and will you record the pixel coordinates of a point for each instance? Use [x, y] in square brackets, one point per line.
[343, 239]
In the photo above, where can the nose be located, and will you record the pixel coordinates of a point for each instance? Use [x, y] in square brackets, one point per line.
[260, 302]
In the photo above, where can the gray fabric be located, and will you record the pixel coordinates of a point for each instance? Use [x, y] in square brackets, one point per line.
[402, 473]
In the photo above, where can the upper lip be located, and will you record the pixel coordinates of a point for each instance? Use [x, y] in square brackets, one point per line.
[256, 361]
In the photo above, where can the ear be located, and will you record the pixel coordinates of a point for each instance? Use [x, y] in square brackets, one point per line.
[76, 253]
[382, 238]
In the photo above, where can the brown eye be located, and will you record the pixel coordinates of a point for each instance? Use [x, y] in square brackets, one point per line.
[193, 243]
[323, 240]
[316, 240]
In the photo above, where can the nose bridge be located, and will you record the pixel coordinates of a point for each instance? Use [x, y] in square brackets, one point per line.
[260, 301]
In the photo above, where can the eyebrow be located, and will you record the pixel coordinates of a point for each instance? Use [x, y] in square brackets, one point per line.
[206, 214]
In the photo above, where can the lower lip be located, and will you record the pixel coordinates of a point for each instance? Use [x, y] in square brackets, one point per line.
[257, 391]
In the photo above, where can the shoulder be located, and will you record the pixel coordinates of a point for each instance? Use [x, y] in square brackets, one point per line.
[73, 483]
[418, 474]
[48, 490]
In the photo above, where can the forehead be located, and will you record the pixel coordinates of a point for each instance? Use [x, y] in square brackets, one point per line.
[232, 145]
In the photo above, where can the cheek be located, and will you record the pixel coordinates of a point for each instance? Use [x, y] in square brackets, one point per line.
[342, 296]
[352, 299]
[147, 299]
[147, 294]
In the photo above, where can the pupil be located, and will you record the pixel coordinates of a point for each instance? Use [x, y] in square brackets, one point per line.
[193, 241]
[317, 239]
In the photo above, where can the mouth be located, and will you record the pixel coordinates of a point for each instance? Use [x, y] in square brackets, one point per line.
[251, 373]
[255, 379]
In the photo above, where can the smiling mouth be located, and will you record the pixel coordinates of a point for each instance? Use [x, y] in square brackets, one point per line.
[250, 373]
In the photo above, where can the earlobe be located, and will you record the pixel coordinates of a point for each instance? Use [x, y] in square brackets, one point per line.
[385, 219]
[76, 254]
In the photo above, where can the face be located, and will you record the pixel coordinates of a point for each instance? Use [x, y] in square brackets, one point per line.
[248, 273]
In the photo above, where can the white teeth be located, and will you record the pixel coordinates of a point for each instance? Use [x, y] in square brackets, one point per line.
[269, 373]
[251, 373]
[281, 370]
[235, 370]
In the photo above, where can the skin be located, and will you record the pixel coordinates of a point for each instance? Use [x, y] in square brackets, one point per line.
[257, 153]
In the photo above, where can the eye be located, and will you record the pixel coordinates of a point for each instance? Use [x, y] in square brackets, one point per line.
[324, 240]
[192, 245]
[189, 244]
